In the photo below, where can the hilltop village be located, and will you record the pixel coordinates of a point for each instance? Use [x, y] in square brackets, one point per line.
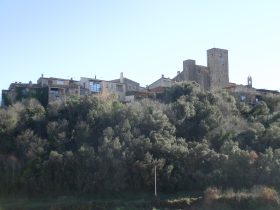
[213, 77]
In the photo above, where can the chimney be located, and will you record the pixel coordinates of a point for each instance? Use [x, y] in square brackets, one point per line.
[162, 76]
[42, 76]
[178, 72]
[121, 78]
[94, 76]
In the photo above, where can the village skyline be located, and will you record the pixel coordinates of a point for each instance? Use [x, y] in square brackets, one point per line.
[70, 39]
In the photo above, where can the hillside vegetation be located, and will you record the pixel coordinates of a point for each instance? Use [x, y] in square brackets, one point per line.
[89, 145]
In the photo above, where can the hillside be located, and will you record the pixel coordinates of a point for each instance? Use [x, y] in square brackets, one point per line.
[195, 139]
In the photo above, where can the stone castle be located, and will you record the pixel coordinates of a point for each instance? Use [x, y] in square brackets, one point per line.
[214, 76]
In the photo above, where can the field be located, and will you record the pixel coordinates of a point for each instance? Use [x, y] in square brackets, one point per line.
[257, 198]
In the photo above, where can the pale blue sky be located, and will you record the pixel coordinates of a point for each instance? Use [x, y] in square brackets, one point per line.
[141, 38]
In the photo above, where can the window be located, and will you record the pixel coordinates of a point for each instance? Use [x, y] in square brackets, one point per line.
[24, 92]
[119, 88]
[60, 82]
[54, 93]
[243, 98]
[94, 87]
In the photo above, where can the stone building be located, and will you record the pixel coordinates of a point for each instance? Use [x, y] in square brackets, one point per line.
[243, 93]
[90, 86]
[96, 86]
[18, 91]
[214, 76]
[132, 89]
[130, 85]
[59, 89]
[116, 88]
[46, 90]
[161, 84]
[247, 93]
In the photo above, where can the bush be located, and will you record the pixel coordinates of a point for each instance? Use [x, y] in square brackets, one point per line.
[211, 194]
[268, 194]
[258, 196]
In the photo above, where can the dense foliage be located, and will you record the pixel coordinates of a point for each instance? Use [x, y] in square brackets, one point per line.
[195, 139]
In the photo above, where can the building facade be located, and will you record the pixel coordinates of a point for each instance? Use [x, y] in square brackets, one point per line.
[95, 86]
[130, 85]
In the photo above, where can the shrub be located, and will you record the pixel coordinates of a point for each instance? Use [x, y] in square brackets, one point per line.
[269, 194]
[211, 194]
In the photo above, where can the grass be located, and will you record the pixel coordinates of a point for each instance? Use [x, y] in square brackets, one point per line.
[257, 198]
[119, 201]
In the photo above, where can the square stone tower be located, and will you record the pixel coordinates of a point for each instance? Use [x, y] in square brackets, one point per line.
[189, 70]
[217, 63]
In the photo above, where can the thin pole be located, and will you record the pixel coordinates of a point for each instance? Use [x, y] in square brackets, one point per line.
[155, 181]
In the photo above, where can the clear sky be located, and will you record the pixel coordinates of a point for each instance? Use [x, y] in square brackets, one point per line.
[141, 38]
